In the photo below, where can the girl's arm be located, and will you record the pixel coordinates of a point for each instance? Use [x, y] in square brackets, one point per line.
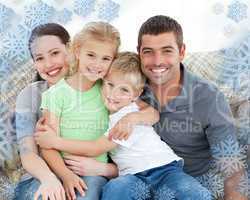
[147, 115]
[77, 147]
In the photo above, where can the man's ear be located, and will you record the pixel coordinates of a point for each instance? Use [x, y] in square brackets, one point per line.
[182, 52]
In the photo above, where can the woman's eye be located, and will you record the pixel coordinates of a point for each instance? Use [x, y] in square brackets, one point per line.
[55, 52]
[38, 59]
[90, 55]
[110, 84]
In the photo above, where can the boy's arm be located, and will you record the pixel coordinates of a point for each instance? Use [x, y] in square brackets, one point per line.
[147, 115]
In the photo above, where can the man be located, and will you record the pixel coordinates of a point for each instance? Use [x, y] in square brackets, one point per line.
[195, 118]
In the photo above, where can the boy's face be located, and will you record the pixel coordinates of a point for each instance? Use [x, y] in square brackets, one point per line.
[117, 92]
[95, 58]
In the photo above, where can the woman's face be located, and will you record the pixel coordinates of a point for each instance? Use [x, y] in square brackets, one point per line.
[50, 58]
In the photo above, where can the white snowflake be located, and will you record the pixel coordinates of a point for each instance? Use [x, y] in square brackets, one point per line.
[237, 11]
[84, 7]
[229, 156]
[165, 192]
[6, 188]
[229, 30]
[6, 14]
[15, 44]
[108, 10]
[37, 13]
[214, 182]
[63, 16]
[243, 186]
[218, 8]
[140, 190]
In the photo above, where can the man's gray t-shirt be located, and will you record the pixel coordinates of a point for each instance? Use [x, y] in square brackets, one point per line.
[195, 121]
[28, 109]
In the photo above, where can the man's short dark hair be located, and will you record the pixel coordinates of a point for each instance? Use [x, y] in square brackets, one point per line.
[161, 24]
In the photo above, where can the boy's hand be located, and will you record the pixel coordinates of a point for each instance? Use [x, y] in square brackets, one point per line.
[71, 182]
[47, 138]
[123, 128]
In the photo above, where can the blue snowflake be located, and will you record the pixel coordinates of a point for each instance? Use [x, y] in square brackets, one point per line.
[108, 10]
[164, 193]
[229, 156]
[5, 69]
[84, 7]
[237, 11]
[63, 16]
[243, 186]
[218, 8]
[15, 45]
[214, 182]
[6, 16]
[243, 130]
[38, 13]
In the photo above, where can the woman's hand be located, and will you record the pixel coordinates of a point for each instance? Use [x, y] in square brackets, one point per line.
[84, 166]
[50, 189]
[71, 182]
[46, 138]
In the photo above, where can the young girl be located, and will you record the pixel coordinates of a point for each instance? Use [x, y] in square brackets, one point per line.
[47, 45]
[74, 108]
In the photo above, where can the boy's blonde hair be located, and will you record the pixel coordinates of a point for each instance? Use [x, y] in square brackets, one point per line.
[128, 63]
[100, 31]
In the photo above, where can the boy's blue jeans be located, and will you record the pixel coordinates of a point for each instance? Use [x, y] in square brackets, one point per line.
[161, 183]
[25, 190]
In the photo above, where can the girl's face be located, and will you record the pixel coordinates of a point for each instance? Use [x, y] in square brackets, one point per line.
[50, 58]
[95, 58]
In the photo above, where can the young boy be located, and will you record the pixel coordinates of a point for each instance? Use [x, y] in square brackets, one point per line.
[147, 166]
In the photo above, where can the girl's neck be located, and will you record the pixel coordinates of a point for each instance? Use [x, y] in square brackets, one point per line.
[80, 82]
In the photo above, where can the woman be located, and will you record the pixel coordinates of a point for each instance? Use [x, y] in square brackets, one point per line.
[47, 46]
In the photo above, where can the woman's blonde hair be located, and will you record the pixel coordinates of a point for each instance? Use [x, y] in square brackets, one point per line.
[100, 31]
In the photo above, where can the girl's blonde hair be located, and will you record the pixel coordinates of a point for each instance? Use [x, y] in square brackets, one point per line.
[100, 31]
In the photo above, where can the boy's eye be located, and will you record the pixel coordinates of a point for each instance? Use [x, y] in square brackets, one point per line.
[107, 59]
[124, 90]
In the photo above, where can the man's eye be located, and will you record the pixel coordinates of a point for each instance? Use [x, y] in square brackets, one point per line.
[147, 52]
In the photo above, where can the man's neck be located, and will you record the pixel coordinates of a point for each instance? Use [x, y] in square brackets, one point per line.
[167, 91]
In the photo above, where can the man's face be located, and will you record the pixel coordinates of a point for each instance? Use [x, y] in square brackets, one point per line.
[161, 57]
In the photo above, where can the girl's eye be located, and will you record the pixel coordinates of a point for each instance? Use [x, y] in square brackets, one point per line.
[107, 59]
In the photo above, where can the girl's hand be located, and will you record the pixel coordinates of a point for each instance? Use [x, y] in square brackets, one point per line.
[71, 182]
[47, 138]
[50, 189]
[123, 128]
[84, 166]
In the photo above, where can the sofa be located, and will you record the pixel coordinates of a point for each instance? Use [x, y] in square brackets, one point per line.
[228, 68]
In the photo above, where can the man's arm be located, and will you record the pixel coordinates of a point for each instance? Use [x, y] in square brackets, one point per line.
[221, 132]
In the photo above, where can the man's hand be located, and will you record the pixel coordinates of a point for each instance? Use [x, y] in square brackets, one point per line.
[46, 138]
[71, 182]
[123, 128]
[50, 189]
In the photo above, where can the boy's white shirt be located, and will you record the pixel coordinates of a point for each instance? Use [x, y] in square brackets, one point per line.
[143, 150]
